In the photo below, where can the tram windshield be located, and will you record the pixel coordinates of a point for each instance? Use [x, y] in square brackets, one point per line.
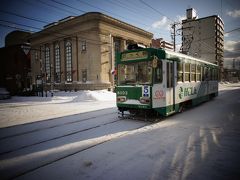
[135, 73]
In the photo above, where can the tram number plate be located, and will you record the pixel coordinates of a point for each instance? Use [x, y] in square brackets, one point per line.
[146, 91]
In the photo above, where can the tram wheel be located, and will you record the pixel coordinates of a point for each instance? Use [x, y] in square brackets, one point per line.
[181, 108]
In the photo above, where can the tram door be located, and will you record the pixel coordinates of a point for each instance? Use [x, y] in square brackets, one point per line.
[170, 85]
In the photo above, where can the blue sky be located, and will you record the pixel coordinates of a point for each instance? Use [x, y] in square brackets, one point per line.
[157, 19]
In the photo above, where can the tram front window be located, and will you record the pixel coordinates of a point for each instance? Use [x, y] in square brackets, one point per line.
[135, 73]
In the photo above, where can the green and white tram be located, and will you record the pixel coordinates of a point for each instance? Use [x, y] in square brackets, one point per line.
[163, 82]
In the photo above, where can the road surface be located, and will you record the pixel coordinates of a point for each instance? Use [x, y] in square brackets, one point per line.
[200, 143]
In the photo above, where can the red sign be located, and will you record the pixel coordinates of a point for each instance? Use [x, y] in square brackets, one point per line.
[159, 94]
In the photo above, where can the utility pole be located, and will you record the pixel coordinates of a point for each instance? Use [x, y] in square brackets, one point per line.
[174, 34]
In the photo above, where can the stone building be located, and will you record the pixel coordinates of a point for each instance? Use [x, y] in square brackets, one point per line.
[78, 52]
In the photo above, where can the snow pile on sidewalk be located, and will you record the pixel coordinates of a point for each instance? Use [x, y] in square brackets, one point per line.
[80, 96]
[65, 97]
[228, 86]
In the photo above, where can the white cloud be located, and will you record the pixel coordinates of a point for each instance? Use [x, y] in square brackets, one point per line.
[163, 23]
[180, 18]
[226, 35]
[235, 13]
[231, 49]
[230, 45]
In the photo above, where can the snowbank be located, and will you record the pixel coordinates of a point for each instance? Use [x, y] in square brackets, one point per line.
[65, 97]
[100, 95]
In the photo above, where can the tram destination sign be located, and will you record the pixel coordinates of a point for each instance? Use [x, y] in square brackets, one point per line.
[134, 55]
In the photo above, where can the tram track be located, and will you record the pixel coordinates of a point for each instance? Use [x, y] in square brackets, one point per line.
[30, 170]
[62, 136]
[50, 127]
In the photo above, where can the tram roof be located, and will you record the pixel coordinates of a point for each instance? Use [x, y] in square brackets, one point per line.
[177, 56]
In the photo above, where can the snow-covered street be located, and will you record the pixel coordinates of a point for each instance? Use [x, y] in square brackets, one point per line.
[21, 110]
[79, 136]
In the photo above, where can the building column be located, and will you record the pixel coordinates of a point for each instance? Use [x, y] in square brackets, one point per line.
[112, 59]
[52, 63]
[74, 59]
[62, 60]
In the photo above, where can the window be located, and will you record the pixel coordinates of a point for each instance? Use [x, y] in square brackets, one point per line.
[135, 73]
[57, 63]
[40, 53]
[193, 72]
[206, 74]
[198, 73]
[84, 75]
[117, 45]
[187, 72]
[68, 55]
[209, 74]
[84, 46]
[180, 72]
[36, 56]
[158, 72]
[169, 74]
[47, 64]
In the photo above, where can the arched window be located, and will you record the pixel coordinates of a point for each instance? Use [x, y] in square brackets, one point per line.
[68, 55]
[47, 64]
[57, 68]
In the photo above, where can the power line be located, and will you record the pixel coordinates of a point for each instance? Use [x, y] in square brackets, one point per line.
[14, 27]
[56, 7]
[63, 4]
[236, 29]
[140, 22]
[53, 10]
[48, 32]
[118, 3]
[126, 7]
[20, 24]
[18, 15]
[56, 32]
[155, 10]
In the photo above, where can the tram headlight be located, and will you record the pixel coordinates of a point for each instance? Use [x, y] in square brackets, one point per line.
[144, 100]
[121, 98]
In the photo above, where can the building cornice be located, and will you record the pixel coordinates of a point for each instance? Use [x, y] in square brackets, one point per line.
[56, 28]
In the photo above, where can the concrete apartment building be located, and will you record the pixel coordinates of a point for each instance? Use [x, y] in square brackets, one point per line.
[79, 52]
[203, 38]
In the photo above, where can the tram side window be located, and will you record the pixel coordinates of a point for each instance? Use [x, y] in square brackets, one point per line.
[169, 74]
[210, 74]
[193, 72]
[158, 72]
[180, 72]
[187, 72]
[215, 74]
[198, 72]
[206, 74]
